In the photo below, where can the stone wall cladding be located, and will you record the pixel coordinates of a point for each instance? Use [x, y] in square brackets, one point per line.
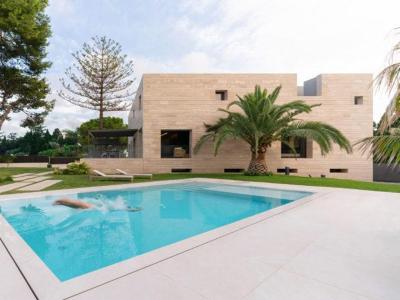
[187, 101]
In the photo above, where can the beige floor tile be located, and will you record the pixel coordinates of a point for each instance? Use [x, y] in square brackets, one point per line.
[13, 285]
[288, 286]
[373, 278]
[215, 273]
[143, 285]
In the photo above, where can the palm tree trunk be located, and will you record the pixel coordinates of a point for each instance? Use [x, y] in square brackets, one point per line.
[257, 164]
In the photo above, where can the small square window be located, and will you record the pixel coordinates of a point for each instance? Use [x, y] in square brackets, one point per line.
[180, 170]
[222, 95]
[233, 170]
[338, 170]
[358, 100]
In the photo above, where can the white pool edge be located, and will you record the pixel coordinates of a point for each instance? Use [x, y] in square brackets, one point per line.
[47, 286]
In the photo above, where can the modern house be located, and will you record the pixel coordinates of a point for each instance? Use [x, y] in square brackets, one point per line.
[168, 115]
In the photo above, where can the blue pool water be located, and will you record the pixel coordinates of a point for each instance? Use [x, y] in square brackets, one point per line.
[73, 242]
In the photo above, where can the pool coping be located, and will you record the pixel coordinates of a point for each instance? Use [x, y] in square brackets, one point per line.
[47, 286]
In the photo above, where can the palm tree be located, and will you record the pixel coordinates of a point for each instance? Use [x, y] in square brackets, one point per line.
[385, 145]
[261, 122]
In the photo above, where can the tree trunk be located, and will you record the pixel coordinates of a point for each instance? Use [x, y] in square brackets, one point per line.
[5, 108]
[101, 109]
[257, 164]
[101, 123]
[4, 116]
[2, 119]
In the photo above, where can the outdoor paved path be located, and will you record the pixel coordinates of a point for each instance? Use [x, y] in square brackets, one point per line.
[37, 179]
[22, 181]
[39, 186]
[26, 176]
[44, 173]
[21, 175]
[13, 186]
[22, 178]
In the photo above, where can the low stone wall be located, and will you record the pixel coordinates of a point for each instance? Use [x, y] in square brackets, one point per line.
[386, 173]
[30, 165]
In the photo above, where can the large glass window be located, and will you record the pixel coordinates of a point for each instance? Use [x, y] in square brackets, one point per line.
[296, 148]
[175, 143]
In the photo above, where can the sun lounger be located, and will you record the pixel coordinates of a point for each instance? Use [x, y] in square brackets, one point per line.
[110, 176]
[135, 175]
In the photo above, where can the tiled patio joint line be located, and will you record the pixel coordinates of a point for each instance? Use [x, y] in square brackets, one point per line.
[19, 270]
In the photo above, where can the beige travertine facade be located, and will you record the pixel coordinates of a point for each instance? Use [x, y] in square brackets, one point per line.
[187, 101]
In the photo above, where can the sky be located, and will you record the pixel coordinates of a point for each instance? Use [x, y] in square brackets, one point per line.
[306, 37]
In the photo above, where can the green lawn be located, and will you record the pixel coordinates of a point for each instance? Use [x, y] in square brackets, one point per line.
[76, 181]
[14, 171]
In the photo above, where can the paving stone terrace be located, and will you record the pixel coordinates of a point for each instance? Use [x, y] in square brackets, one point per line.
[29, 182]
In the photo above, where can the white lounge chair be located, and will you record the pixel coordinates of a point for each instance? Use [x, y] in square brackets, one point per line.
[110, 176]
[135, 175]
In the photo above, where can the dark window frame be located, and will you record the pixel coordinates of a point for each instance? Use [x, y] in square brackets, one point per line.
[338, 170]
[233, 170]
[283, 170]
[222, 94]
[358, 100]
[167, 150]
[181, 170]
[140, 105]
[303, 149]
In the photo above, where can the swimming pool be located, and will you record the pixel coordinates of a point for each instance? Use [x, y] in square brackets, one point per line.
[75, 242]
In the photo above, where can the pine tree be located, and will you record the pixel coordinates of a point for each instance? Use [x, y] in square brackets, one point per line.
[24, 31]
[57, 136]
[100, 79]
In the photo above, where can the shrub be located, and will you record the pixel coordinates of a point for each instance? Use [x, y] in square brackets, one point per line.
[75, 168]
[5, 179]
[7, 158]
[57, 171]
[64, 151]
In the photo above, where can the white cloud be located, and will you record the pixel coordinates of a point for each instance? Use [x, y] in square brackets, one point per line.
[194, 62]
[304, 37]
[61, 7]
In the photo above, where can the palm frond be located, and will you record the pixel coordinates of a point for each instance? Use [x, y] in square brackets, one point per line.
[384, 148]
[391, 115]
[389, 78]
[323, 134]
